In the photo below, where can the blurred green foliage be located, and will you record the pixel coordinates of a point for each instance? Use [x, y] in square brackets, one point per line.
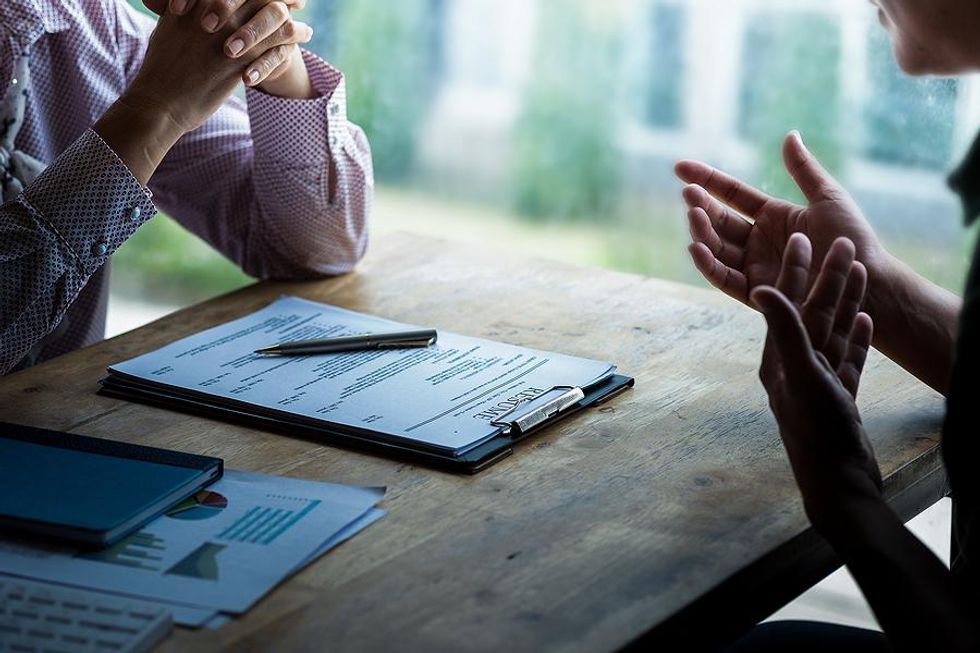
[165, 262]
[384, 46]
[565, 155]
[779, 98]
[564, 177]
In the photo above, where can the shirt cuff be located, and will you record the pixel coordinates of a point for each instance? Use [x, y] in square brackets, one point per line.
[302, 131]
[90, 200]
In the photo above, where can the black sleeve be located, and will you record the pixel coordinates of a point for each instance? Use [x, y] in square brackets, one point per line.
[960, 447]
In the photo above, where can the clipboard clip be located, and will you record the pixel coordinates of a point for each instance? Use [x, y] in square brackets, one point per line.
[532, 414]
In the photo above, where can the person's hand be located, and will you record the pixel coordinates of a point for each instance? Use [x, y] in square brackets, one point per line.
[186, 74]
[270, 38]
[815, 351]
[740, 234]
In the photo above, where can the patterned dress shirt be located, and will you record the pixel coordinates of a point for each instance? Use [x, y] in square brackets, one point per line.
[281, 187]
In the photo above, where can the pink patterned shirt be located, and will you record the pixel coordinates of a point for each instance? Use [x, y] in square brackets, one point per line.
[282, 187]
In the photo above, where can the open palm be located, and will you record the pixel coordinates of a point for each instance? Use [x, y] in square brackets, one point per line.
[740, 234]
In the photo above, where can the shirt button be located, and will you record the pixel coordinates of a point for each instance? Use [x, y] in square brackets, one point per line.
[333, 108]
[136, 213]
[100, 249]
[333, 141]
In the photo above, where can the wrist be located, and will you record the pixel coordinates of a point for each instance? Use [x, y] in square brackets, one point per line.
[885, 274]
[845, 522]
[294, 83]
[140, 133]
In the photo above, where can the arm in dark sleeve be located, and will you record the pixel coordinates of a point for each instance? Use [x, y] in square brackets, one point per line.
[56, 234]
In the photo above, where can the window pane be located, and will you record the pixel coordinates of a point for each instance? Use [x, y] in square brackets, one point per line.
[908, 121]
[666, 65]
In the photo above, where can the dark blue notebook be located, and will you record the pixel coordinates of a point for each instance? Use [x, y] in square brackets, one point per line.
[88, 490]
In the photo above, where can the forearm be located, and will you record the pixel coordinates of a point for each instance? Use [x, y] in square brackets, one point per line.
[909, 589]
[915, 321]
[283, 198]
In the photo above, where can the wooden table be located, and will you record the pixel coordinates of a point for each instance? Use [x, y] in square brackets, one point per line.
[670, 511]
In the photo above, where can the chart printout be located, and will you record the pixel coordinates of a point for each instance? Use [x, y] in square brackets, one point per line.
[445, 396]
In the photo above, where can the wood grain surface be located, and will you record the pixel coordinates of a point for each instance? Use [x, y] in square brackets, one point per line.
[593, 533]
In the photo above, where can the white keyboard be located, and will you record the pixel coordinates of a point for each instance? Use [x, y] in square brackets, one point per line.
[45, 618]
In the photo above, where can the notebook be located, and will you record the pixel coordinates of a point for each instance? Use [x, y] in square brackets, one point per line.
[90, 491]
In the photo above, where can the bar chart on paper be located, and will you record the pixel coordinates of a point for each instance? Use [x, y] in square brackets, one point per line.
[263, 524]
[142, 550]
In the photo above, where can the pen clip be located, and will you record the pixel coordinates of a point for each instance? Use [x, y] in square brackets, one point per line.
[400, 344]
[537, 416]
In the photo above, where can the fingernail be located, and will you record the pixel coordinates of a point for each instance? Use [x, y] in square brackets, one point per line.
[799, 137]
[210, 22]
[179, 6]
[236, 46]
[253, 76]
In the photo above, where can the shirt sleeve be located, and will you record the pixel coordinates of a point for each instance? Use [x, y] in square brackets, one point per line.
[57, 233]
[961, 448]
[283, 187]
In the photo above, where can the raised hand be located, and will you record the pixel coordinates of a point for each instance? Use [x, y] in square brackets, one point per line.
[815, 351]
[740, 234]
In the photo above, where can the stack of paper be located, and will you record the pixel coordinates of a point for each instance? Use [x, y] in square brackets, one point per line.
[215, 554]
[447, 399]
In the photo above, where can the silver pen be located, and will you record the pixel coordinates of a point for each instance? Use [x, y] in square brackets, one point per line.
[394, 340]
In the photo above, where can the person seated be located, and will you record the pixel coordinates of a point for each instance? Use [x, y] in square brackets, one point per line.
[763, 251]
[106, 116]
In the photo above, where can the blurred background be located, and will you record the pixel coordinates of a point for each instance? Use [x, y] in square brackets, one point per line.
[550, 126]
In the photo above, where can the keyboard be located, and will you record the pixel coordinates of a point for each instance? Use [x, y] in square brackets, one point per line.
[46, 618]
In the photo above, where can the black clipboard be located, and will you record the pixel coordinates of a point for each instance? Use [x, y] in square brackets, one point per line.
[521, 422]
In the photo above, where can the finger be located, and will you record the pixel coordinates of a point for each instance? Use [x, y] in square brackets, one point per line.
[850, 305]
[820, 308]
[215, 13]
[790, 341]
[296, 5]
[770, 373]
[272, 19]
[280, 71]
[727, 223]
[813, 180]
[794, 274]
[728, 280]
[702, 231]
[856, 355]
[156, 6]
[722, 186]
[260, 69]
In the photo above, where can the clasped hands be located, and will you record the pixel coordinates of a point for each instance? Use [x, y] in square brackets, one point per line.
[202, 49]
[818, 337]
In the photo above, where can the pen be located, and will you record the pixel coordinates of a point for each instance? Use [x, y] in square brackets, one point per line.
[396, 340]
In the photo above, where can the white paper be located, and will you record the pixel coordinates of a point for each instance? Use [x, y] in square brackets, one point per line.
[218, 619]
[245, 534]
[444, 396]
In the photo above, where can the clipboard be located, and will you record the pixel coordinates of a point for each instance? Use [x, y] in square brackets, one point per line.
[524, 420]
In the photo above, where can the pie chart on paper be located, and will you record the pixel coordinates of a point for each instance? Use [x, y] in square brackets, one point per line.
[203, 505]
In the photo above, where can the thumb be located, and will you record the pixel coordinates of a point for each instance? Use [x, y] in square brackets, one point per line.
[156, 6]
[786, 330]
[811, 177]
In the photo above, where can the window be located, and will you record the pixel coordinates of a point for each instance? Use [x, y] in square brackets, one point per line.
[665, 69]
[550, 127]
[908, 122]
[789, 81]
